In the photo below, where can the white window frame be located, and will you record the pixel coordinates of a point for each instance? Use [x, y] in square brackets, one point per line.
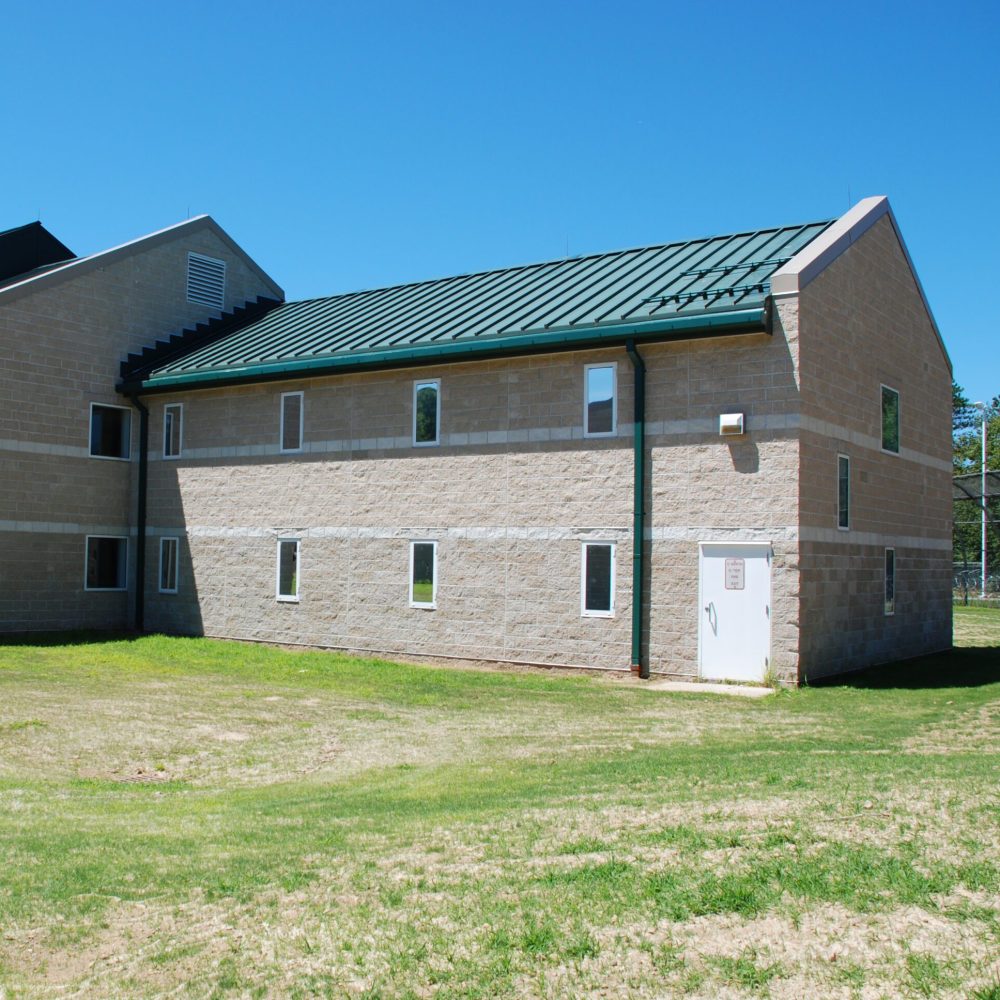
[432, 605]
[586, 612]
[179, 408]
[128, 437]
[302, 423]
[890, 609]
[177, 551]
[288, 598]
[86, 565]
[847, 459]
[587, 433]
[418, 384]
[899, 421]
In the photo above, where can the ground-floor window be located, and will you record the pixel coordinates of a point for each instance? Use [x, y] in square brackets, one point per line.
[890, 581]
[597, 580]
[168, 565]
[423, 574]
[288, 569]
[107, 563]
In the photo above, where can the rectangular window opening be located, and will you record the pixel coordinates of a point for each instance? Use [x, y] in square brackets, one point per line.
[843, 492]
[110, 431]
[890, 581]
[107, 563]
[172, 417]
[600, 404]
[168, 565]
[598, 580]
[288, 569]
[423, 574]
[426, 412]
[292, 414]
[890, 420]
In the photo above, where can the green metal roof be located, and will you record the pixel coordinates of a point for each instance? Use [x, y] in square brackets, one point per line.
[714, 285]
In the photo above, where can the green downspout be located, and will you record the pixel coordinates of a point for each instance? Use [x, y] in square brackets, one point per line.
[638, 500]
[140, 556]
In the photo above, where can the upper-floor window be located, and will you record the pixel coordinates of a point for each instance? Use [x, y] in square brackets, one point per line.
[110, 431]
[426, 411]
[172, 419]
[206, 281]
[890, 420]
[600, 404]
[292, 416]
[843, 491]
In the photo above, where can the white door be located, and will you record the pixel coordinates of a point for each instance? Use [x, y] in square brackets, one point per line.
[735, 611]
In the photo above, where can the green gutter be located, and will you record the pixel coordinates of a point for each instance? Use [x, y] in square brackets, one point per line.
[674, 328]
[639, 664]
[140, 555]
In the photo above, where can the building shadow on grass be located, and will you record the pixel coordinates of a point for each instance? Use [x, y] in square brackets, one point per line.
[961, 667]
[74, 638]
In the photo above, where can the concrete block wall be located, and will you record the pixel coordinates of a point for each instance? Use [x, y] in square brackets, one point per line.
[864, 324]
[510, 495]
[62, 343]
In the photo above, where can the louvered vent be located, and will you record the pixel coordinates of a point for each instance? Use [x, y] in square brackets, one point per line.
[206, 280]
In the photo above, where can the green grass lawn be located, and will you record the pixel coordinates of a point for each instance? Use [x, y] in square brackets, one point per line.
[214, 819]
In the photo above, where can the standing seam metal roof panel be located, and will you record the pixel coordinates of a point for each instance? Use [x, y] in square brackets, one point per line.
[694, 278]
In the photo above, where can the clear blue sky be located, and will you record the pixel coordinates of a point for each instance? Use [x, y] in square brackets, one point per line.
[349, 145]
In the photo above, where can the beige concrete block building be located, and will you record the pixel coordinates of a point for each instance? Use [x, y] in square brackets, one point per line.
[723, 458]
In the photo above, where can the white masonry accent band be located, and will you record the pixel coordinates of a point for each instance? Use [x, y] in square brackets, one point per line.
[556, 533]
[654, 428]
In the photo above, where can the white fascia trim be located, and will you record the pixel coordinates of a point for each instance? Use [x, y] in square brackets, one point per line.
[817, 255]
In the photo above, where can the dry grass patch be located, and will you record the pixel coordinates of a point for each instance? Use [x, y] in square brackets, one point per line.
[204, 819]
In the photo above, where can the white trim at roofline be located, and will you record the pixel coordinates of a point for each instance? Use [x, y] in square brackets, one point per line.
[80, 265]
[821, 252]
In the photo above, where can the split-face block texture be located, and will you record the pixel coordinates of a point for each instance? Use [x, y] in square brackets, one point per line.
[515, 489]
[62, 343]
[863, 324]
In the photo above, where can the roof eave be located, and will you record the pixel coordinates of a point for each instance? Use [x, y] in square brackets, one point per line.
[743, 321]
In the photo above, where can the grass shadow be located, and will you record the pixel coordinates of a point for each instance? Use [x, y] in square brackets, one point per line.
[77, 638]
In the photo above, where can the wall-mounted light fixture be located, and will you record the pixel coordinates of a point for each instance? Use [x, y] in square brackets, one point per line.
[730, 423]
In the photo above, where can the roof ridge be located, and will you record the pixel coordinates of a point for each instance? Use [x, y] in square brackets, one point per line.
[556, 260]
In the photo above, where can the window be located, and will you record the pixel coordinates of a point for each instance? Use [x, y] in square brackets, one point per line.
[600, 407]
[423, 574]
[291, 421]
[890, 581]
[597, 581]
[110, 431]
[168, 565]
[843, 492]
[172, 414]
[426, 412]
[890, 420]
[288, 569]
[206, 281]
[107, 562]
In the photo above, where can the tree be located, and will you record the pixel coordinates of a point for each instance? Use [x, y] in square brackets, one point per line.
[966, 459]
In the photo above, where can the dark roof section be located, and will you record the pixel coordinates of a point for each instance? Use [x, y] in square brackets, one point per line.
[716, 285]
[28, 248]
